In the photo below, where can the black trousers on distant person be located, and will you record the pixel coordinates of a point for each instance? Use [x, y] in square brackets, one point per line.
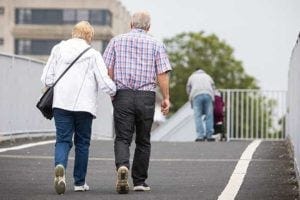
[133, 112]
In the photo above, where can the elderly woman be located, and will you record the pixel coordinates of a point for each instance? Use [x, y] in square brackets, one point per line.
[74, 102]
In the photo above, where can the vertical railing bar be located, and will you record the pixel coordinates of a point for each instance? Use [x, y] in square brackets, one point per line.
[277, 116]
[242, 114]
[268, 120]
[252, 115]
[274, 116]
[237, 114]
[232, 114]
[265, 98]
[280, 115]
[284, 115]
[257, 116]
[262, 114]
[247, 115]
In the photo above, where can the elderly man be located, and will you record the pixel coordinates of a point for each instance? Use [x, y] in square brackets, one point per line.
[136, 62]
[200, 88]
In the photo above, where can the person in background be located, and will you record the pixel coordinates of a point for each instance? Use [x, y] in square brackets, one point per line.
[219, 115]
[136, 62]
[74, 101]
[200, 88]
[218, 108]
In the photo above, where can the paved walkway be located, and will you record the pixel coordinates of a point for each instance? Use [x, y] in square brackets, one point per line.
[177, 171]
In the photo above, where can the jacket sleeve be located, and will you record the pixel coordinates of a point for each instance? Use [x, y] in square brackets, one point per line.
[212, 84]
[105, 83]
[188, 87]
[48, 72]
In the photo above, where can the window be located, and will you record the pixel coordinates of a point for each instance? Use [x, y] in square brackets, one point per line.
[22, 47]
[23, 16]
[38, 16]
[1, 10]
[69, 16]
[100, 17]
[82, 15]
[41, 16]
[59, 16]
[34, 47]
[42, 47]
[1, 41]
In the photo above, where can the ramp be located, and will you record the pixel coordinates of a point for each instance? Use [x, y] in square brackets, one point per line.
[180, 127]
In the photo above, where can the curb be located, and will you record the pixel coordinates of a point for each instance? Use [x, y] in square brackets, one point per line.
[17, 139]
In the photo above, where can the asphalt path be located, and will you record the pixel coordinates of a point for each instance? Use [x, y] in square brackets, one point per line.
[186, 170]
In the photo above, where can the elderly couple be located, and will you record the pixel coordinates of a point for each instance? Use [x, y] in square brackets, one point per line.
[131, 67]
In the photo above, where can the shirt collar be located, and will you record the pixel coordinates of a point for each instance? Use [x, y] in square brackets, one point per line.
[138, 30]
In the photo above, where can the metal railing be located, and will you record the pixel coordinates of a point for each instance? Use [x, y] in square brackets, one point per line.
[254, 114]
[20, 88]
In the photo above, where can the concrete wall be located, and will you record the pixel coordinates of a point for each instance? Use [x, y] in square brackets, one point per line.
[20, 88]
[293, 101]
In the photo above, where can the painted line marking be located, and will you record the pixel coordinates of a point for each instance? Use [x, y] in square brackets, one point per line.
[36, 157]
[24, 146]
[238, 175]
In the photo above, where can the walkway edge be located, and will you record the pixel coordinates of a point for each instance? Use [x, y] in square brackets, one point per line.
[26, 146]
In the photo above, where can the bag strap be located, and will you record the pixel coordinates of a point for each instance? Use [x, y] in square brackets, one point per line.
[70, 65]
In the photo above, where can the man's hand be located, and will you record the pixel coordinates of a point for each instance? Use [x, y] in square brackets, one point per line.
[163, 82]
[165, 106]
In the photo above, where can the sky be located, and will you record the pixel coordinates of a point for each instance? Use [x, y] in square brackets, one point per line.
[261, 32]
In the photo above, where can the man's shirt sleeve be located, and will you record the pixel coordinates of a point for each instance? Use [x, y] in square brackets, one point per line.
[109, 55]
[162, 62]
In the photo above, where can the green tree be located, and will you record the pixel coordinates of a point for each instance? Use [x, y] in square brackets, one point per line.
[189, 51]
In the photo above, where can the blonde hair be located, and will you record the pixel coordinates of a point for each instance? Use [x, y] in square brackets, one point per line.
[141, 19]
[84, 31]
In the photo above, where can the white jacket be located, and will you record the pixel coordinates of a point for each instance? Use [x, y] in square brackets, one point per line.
[78, 89]
[200, 83]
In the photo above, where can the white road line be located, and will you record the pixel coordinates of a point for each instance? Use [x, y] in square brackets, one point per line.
[237, 177]
[26, 146]
[112, 159]
[152, 159]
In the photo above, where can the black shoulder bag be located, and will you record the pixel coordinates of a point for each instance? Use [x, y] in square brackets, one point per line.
[46, 100]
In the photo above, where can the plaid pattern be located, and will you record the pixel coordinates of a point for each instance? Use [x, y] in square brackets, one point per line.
[136, 58]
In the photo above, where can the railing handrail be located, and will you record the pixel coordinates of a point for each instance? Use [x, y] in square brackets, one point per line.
[22, 57]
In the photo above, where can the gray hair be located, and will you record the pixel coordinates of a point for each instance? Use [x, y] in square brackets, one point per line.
[141, 19]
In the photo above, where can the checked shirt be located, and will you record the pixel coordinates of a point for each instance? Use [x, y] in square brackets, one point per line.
[136, 59]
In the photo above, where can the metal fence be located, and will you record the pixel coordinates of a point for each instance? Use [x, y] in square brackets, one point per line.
[248, 115]
[254, 114]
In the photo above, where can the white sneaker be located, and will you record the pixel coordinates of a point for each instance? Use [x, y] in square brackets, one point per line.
[60, 179]
[122, 185]
[141, 187]
[81, 188]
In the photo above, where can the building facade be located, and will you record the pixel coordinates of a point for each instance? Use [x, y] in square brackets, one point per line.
[32, 27]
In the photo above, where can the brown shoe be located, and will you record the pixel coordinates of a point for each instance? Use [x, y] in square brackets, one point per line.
[59, 179]
[122, 185]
